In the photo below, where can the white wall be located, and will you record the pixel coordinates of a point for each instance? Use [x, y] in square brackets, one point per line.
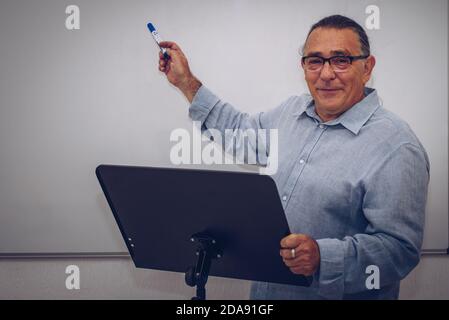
[117, 278]
[70, 100]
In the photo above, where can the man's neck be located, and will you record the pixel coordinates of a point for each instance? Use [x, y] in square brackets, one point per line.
[325, 117]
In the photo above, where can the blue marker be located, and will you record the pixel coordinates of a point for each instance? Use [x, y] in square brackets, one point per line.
[158, 39]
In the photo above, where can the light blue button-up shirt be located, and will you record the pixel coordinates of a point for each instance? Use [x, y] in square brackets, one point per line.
[356, 184]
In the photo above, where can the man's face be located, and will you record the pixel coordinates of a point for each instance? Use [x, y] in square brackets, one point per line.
[336, 92]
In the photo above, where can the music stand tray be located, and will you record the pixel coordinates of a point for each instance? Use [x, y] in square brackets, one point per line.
[200, 222]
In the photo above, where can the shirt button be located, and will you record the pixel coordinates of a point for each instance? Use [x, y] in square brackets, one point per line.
[301, 161]
[284, 198]
[321, 126]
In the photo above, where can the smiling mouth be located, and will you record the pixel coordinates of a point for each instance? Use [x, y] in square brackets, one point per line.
[328, 89]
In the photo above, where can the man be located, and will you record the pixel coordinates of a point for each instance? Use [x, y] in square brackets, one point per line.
[352, 176]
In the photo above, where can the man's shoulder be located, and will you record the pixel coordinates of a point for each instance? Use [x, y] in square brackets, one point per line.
[392, 129]
[296, 104]
[293, 105]
[302, 100]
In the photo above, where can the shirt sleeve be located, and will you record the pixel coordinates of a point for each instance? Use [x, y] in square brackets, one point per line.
[394, 205]
[224, 124]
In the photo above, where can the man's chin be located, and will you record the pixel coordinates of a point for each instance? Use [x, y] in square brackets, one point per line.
[329, 105]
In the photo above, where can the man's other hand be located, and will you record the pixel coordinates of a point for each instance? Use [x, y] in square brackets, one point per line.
[301, 254]
[177, 70]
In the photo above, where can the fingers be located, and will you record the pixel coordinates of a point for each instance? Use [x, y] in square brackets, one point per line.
[169, 45]
[163, 65]
[293, 240]
[162, 57]
[305, 270]
[175, 56]
[304, 264]
[176, 67]
[296, 262]
[287, 254]
[305, 258]
[177, 62]
[173, 50]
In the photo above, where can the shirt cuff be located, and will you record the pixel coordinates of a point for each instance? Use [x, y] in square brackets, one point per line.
[202, 104]
[331, 270]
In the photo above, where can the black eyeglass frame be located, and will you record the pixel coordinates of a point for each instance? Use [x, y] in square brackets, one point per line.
[351, 58]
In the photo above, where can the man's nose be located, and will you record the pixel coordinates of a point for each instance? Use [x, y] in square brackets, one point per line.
[327, 73]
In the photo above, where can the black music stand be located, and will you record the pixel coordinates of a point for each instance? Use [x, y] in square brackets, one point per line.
[181, 220]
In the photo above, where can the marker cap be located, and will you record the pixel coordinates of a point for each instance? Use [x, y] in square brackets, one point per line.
[151, 27]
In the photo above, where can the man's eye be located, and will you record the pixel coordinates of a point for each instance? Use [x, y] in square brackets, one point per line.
[315, 61]
[340, 60]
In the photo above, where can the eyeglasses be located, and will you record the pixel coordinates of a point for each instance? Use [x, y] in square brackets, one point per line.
[338, 63]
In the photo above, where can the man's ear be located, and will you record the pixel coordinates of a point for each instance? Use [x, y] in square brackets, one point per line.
[369, 66]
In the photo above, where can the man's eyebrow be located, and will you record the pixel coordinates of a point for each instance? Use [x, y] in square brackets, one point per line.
[314, 53]
[340, 53]
[333, 53]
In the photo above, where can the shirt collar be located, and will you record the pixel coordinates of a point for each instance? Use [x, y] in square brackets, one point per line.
[352, 119]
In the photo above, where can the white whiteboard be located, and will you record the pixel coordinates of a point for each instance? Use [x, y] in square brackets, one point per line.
[70, 100]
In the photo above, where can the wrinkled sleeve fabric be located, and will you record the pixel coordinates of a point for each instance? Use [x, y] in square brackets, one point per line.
[395, 195]
[233, 125]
